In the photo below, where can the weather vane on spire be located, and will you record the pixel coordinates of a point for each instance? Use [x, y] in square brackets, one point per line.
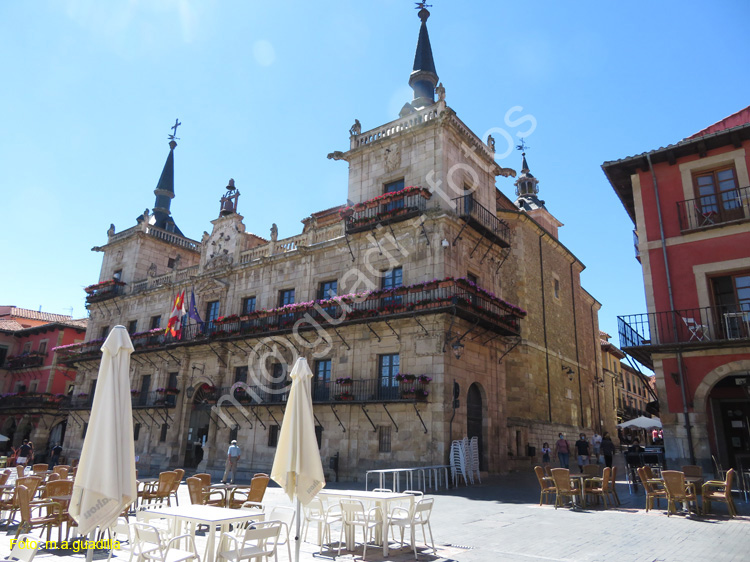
[422, 5]
[174, 128]
[523, 146]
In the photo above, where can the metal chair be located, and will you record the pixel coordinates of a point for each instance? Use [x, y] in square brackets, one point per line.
[151, 545]
[353, 516]
[260, 540]
[315, 512]
[697, 330]
[418, 515]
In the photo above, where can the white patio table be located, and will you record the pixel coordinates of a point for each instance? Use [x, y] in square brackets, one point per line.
[382, 499]
[209, 515]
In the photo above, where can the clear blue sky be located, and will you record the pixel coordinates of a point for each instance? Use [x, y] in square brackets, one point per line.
[266, 89]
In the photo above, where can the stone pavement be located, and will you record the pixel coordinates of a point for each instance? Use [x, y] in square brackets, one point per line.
[501, 520]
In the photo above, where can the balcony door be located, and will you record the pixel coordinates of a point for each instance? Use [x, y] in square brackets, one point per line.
[718, 196]
[732, 298]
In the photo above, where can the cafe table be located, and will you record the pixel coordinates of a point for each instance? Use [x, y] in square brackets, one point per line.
[381, 499]
[581, 478]
[208, 515]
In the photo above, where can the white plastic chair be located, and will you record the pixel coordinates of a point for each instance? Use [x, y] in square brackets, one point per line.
[697, 330]
[286, 515]
[260, 540]
[156, 520]
[151, 545]
[354, 515]
[418, 515]
[27, 553]
[474, 447]
[120, 532]
[314, 512]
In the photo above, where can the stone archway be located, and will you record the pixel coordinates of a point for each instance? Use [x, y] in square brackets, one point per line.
[199, 424]
[712, 377]
[475, 420]
[720, 414]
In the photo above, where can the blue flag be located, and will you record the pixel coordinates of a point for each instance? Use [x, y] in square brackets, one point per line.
[193, 310]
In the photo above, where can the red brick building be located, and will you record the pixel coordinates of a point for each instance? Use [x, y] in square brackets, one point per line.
[690, 203]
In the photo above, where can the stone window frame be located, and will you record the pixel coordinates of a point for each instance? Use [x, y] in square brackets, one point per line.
[43, 346]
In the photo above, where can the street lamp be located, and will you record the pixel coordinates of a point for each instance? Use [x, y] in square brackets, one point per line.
[458, 349]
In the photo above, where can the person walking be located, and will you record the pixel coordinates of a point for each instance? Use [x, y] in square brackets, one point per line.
[582, 449]
[562, 451]
[608, 449]
[546, 451]
[55, 459]
[596, 442]
[233, 457]
[24, 452]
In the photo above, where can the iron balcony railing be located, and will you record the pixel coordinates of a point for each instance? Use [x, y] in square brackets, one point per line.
[30, 400]
[483, 220]
[151, 399]
[699, 327]
[25, 361]
[446, 296]
[107, 291]
[326, 392]
[713, 209]
[396, 208]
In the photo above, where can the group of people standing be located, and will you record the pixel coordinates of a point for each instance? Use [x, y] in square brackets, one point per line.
[599, 448]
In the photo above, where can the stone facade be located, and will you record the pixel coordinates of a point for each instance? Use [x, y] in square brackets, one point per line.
[423, 206]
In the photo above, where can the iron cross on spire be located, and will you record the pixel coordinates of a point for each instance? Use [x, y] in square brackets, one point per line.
[523, 146]
[174, 128]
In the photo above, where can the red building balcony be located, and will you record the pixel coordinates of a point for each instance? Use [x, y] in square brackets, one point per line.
[25, 361]
[712, 210]
[697, 328]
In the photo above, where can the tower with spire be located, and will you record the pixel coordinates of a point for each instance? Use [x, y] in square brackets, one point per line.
[155, 246]
[527, 191]
[427, 145]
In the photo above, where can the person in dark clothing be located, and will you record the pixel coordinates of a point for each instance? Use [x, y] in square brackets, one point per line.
[582, 449]
[608, 449]
[56, 452]
[633, 460]
[24, 452]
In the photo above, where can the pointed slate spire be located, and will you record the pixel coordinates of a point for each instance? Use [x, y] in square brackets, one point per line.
[423, 78]
[164, 192]
[527, 188]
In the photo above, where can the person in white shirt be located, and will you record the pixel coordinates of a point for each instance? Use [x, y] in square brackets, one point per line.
[233, 457]
[596, 441]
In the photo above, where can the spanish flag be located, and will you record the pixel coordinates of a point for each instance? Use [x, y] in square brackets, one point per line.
[174, 326]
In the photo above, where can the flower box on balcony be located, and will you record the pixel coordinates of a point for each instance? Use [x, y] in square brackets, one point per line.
[344, 397]
[405, 377]
[422, 394]
[408, 395]
[424, 379]
[344, 381]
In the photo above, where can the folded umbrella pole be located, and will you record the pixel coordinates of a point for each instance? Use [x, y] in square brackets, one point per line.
[105, 480]
[297, 467]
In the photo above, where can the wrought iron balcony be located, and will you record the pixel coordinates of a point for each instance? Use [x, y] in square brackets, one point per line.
[151, 399]
[458, 296]
[386, 209]
[329, 392]
[483, 220]
[26, 400]
[105, 290]
[712, 210]
[711, 326]
[25, 361]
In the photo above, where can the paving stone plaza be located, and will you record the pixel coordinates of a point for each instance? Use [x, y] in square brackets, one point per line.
[501, 520]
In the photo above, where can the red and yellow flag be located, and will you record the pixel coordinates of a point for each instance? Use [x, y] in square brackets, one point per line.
[174, 326]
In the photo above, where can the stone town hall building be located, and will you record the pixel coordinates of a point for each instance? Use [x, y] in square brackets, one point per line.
[396, 301]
